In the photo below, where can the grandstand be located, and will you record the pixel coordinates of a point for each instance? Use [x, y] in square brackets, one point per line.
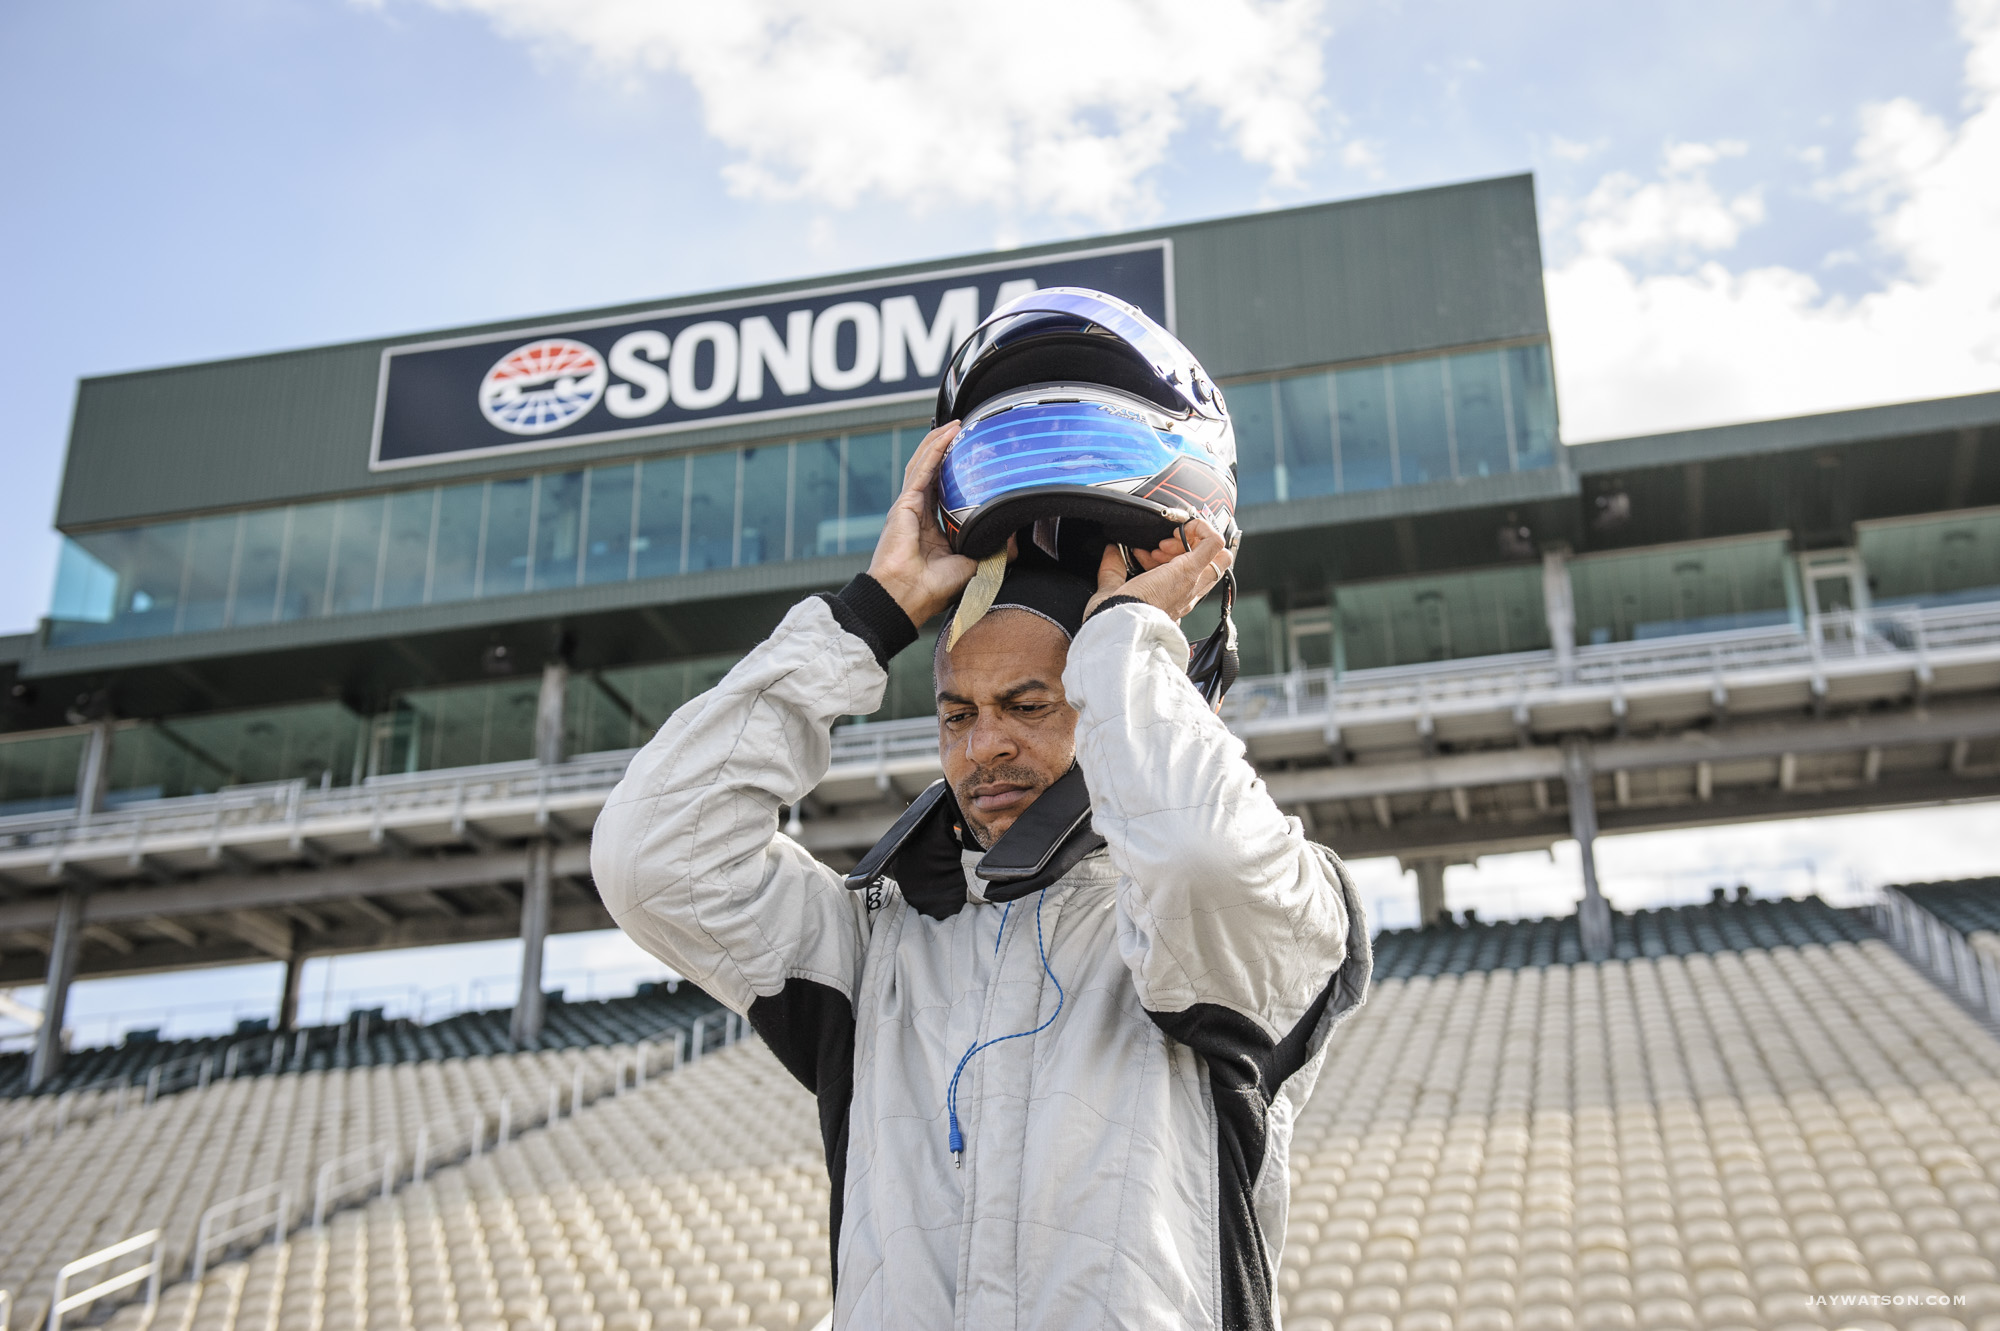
[364, 1039]
[85, 1169]
[1754, 1114]
[1953, 931]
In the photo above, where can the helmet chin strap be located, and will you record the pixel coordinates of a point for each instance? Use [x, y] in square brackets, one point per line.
[1214, 664]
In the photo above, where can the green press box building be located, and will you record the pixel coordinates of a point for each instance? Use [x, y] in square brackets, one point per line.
[354, 565]
[380, 570]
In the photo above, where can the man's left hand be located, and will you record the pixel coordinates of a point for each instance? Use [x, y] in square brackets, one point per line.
[1172, 577]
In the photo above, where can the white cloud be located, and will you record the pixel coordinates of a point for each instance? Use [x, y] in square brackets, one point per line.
[1639, 349]
[1362, 155]
[1680, 212]
[1050, 106]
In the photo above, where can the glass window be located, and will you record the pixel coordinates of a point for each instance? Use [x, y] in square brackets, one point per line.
[1306, 406]
[558, 529]
[308, 560]
[466, 726]
[1532, 391]
[1423, 438]
[86, 586]
[815, 498]
[259, 566]
[357, 553]
[503, 558]
[1367, 458]
[711, 511]
[407, 568]
[662, 509]
[211, 563]
[1259, 475]
[607, 541]
[767, 487]
[147, 564]
[455, 556]
[1478, 414]
[39, 774]
[873, 482]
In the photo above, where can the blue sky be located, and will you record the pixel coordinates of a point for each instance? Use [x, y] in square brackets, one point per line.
[1748, 210]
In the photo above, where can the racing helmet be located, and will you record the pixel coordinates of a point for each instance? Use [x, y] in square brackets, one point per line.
[1076, 407]
[1084, 420]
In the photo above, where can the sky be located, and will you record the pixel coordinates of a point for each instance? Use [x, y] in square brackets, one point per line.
[1747, 210]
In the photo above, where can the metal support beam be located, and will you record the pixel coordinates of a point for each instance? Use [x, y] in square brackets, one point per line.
[535, 893]
[288, 997]
[1594, 914]
[93, 772]
[49, 1048]
[1430, 893]
[1559, 607]
[549, 713]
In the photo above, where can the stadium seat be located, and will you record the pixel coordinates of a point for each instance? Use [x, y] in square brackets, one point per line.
[1754, 1108]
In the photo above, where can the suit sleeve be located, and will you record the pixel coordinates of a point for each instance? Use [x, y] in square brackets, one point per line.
[687, 853]
[1226, 912]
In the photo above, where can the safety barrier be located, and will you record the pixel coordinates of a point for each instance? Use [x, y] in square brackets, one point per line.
[1821, 648]
[64, 1302]
[1906, 634]
[274, 1212]
[181, 1074]
[340, 1176]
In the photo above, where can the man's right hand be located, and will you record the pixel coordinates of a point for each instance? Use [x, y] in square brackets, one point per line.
[913, 560]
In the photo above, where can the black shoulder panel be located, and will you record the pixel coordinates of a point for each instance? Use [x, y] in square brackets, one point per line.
[1245, 1070]
[810, 1027]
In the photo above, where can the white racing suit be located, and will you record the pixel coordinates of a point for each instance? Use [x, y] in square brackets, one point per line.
[1125, 1164]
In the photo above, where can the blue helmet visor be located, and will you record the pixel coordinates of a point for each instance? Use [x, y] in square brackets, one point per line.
[1053, 443]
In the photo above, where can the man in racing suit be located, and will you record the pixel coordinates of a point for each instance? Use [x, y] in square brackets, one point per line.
[1074, 1116]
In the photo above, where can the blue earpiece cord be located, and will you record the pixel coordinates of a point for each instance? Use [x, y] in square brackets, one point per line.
[951, 1096]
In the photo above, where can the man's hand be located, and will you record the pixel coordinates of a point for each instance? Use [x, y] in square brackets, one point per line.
[913, 560]
[1174, 578]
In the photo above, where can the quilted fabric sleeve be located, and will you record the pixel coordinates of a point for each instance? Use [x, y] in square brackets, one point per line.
[1223, 904]
[687, 853]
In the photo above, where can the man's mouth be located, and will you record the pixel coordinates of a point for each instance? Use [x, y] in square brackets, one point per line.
[997, 796]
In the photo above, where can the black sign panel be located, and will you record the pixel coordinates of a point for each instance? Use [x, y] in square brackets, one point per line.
[700, 365]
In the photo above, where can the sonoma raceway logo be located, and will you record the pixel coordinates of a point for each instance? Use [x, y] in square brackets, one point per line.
[678, 369]
[542, 386]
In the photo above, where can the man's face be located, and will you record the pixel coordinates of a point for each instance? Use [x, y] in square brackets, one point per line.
[1005, 732]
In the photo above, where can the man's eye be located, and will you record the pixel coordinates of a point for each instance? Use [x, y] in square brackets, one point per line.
[957, 718]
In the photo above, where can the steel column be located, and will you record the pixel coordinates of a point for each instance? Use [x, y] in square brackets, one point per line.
[1430, 893]
[49, 1050]
[1593, 915]
[93, 772]
[535, 893]
[1559, 607]
[288, 999]
[549, 713]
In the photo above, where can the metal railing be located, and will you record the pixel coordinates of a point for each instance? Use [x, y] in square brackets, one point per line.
[296, 802]
[343, 1175]
[1908, 635]
[1831, 642]
[273, 1212]
[179, 1074]
[64, 1302]
[376, 1169]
